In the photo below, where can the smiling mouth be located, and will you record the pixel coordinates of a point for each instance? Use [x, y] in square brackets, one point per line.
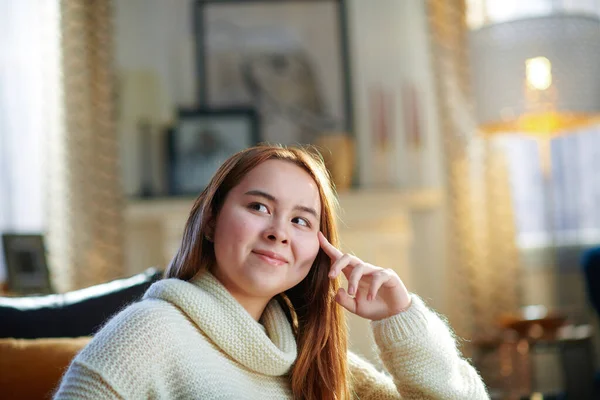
[270, 257]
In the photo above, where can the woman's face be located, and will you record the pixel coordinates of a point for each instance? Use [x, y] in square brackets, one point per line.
[265, 235]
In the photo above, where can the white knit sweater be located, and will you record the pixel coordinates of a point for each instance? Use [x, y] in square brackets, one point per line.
[193, 340]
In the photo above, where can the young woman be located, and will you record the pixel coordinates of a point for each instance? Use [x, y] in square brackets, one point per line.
[250, 307]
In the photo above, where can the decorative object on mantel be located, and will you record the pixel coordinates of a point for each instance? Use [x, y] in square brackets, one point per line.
[144, 112]
[411, 104]
[289, 59]
[202, 140]
[338, 153]
[414, 129]
[25, 256]
[382, 109]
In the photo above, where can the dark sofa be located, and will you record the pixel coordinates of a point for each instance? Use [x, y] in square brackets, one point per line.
[73, 314]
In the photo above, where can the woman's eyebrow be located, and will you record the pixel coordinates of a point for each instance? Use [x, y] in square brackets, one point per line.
[260, 193]
[309, 210]
[272, 198]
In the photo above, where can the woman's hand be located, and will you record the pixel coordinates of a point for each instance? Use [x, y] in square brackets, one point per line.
[378, 293]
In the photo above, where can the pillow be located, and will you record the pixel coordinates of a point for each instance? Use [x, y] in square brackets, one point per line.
[73, 314]
[32, 369]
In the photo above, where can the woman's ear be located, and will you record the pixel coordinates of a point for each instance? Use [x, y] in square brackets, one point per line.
[209, 227]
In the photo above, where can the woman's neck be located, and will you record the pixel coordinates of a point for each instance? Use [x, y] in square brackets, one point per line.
[255, 306]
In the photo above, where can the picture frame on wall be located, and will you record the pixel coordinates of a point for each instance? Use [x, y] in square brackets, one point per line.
[289, 59]
[202, 140]
[26, 264]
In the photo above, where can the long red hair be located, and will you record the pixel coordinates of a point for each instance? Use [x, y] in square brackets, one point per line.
[320, 370]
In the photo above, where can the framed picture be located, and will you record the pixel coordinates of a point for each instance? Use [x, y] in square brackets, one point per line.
[202, 140]
[25, 257]
[287, 58]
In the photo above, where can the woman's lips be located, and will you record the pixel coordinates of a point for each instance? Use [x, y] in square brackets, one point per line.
[271, 257]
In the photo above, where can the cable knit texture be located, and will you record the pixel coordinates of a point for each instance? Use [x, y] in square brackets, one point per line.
[194, 340]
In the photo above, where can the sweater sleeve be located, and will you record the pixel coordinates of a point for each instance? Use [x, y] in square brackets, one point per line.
[80, 382]
[419, 351]
[124, 359]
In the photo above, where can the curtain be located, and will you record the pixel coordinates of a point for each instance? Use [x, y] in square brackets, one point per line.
[85, 217]
[28, 62]
[59, 171]
[483, 281]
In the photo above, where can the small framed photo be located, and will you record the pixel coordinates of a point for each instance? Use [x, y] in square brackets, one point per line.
[202, 140]
[25, 257]
[287, 58]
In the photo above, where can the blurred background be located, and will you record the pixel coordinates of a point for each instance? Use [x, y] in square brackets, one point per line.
[462, 136]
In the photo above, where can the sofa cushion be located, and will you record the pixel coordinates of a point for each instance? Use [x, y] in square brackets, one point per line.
[73, 314]
[32, 369]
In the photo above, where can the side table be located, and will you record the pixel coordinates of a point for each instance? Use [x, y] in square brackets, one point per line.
[508, 360]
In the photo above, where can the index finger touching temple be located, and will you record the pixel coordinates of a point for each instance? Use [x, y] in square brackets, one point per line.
[328, 248]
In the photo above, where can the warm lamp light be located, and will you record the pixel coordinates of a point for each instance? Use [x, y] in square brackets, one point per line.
[538, 71]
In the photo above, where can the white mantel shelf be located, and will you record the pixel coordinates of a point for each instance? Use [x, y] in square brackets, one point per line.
[374, 224]
[376, 200]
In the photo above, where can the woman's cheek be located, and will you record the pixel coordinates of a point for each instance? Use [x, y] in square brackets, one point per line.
[311, 246]
[241, 223]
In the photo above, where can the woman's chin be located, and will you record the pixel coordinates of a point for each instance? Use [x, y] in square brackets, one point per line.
[265, 284]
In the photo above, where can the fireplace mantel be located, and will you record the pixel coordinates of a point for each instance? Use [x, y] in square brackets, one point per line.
[373, 224]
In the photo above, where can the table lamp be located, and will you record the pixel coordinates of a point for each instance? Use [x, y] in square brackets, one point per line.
[537, 76]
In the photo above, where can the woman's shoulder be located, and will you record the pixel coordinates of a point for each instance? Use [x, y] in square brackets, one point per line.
[137, 328]
[134, 349]
[146, 314]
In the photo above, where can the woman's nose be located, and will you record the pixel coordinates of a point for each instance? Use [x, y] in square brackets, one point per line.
[277, 232]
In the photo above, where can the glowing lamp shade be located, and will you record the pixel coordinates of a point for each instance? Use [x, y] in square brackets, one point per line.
[538, 76]
[538, 71]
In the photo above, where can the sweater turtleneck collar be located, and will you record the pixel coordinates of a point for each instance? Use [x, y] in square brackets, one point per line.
[218, 314]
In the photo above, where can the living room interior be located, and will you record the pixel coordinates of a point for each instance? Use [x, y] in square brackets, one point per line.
[462, 137]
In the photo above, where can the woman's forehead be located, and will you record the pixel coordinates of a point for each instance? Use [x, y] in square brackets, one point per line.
[283, 180]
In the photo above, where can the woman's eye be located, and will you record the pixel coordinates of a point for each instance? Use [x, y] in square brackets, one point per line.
[259, 207]
[300, 221]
